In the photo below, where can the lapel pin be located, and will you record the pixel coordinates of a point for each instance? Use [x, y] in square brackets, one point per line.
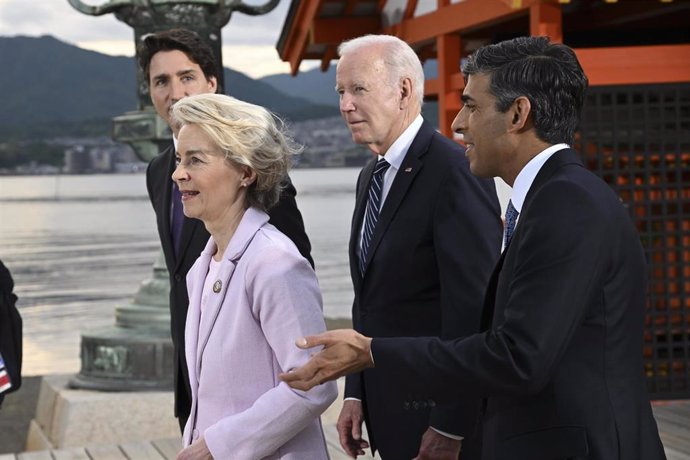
[216, 286]
[408, 170]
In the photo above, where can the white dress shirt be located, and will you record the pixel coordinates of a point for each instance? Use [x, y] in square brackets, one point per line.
[394, 156]
[526, 176]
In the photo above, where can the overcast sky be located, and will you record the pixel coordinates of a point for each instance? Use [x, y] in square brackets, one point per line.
[248, 41]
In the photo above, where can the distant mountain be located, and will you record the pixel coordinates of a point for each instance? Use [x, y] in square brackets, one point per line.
[51, 88]
[314, 85]
[319, 87]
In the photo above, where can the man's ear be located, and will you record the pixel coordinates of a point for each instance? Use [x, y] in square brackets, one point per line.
[405, 92]
[519, 113]
[212, 84]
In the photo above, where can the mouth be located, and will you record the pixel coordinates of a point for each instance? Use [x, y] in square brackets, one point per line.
[188, 194]
[468, 145]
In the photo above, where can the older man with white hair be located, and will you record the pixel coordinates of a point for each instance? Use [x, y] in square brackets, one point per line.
[425, 235]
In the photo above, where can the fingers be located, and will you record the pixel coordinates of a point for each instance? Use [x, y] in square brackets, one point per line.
[303, 378]
[326, 338]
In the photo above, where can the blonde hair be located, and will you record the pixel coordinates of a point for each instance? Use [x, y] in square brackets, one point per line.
[248, 135]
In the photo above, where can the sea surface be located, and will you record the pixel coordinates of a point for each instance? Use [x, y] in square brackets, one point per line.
[79, 246]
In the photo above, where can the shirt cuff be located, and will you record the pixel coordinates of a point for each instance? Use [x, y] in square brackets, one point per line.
[448, 435]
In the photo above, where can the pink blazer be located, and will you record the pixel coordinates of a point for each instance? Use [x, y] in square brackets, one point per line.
[269, 297]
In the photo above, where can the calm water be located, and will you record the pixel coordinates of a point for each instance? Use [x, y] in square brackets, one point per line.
[78, 246]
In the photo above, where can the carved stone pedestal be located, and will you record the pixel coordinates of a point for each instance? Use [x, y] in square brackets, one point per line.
[137, 353]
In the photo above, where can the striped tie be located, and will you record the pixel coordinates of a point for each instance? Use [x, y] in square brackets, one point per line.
[511, 219]
[372, 212]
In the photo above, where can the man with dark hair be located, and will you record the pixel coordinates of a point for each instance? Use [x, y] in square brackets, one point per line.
[559, 360]
[178, 63]
[10, 336]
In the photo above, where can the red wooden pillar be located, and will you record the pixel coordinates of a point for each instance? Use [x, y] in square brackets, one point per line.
[546, 19]
[448, 49]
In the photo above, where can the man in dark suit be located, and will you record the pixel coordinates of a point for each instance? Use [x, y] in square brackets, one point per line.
[178, 63]
[420, 265]
[559, 360]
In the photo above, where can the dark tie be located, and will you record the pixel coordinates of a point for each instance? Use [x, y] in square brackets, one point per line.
[511, 218]
[177, 217]
[371, 215]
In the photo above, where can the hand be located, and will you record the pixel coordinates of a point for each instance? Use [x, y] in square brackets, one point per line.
[350, 428]
[435, 446]
[345, 351]
[196, 451]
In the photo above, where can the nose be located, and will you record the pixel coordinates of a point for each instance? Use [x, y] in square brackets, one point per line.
[460, 122]
[180, 174]
[346, 104]
[177, 90]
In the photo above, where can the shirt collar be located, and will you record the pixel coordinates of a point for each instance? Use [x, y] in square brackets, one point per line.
[524, 179]
[396, 152]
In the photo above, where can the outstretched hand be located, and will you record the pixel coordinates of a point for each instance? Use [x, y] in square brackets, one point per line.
[344, 351]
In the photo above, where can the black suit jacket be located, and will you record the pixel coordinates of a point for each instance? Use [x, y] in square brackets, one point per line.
[560, 358]
[436, 241]
[10, 331]
[284, 216]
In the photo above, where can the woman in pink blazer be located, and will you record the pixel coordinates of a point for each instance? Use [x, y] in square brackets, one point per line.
[250, 292]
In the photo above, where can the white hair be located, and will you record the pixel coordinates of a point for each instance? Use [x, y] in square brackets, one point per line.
[399, 58]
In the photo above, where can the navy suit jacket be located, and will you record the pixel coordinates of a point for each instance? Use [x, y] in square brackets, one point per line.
[284, 216]
[560, 358]
[437, 238]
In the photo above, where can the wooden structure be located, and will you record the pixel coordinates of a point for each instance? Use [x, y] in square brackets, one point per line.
[673, 419]
[635, 130]
[617, 42]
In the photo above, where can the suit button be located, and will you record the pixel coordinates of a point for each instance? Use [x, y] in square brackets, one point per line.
[178, 277]
[424, 405]
[406, 405]
[431, 403]
[415, 405]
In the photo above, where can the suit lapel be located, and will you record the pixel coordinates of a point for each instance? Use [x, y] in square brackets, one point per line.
[212, 308]
[358, 217]
[410, 167]
[165, 206]
[557, 160]
[251, 222]
[189, 228]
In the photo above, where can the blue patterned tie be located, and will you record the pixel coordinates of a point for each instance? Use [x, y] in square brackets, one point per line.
[511, 218]
[371, 215]
[177, 218]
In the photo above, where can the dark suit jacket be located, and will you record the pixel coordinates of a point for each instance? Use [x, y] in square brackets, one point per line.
[284, 216]
[436, 241]
[10, 331]
[560, 358]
